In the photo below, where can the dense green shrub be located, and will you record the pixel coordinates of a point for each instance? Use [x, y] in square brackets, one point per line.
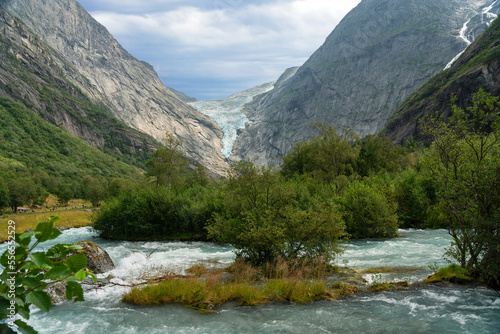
[369, 213]
[157, 214]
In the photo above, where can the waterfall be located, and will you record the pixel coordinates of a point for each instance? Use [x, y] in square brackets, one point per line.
[485, 13]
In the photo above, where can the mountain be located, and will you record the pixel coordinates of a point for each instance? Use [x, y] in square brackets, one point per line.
[183, 97]
[37, 77]
[95, 64]
[379, 54]
[477, 68]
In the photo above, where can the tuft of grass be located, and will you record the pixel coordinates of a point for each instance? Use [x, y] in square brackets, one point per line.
[451, 274]
[386, 270]
[387, 286]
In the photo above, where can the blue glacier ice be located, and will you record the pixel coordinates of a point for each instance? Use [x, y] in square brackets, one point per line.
[228, 113]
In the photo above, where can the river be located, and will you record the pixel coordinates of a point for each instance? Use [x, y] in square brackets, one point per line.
[419, 310]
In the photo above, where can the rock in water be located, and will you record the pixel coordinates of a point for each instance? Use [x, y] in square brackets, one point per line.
[57, 292]
[98, 260]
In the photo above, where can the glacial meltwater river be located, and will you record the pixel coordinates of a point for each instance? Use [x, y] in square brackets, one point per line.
[419, 310]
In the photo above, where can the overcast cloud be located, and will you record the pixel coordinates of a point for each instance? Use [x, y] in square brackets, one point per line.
[213, 48]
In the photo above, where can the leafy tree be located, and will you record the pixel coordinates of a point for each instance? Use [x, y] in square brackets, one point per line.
[22, 191]
[262, 218]
[411, 196]
[94, 190]
[330, 157]
[378, 153]
[28, 272]
[369, 212]
[64, 194]
[168, 163]
[4, 195]
[464, 161]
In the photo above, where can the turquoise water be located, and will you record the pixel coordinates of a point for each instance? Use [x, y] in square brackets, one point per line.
[424, 310]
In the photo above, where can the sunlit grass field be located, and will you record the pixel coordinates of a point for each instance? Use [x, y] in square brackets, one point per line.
[69, 217]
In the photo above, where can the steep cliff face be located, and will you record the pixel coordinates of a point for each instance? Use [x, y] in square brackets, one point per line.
[31, 73]
[130, 88]
[380, 53]
[477, 68]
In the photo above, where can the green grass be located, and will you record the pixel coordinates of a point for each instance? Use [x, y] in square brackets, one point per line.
[451, 274]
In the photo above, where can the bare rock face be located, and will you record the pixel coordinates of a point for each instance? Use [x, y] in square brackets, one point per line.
[380, 53]
[129, 87]
[477, 68]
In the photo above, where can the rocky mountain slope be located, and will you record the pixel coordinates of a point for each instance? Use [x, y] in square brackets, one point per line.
[94, 63]
[380, 53]
[477, 68]
[33, 74]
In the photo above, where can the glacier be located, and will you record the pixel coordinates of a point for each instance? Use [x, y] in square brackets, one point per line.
[228, 113]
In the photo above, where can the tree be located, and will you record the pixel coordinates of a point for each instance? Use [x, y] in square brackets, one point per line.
[330, 157]
[94, 190]
[264, 219]
[168, 163]
[464, 161]
[27, 273]
[22, 191]
[378, 153]
[64, 194]
[4, 195]
[369, 213]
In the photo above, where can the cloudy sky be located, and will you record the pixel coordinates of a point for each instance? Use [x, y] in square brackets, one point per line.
[213, 48]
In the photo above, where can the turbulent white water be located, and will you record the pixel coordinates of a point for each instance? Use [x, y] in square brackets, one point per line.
[228, 113]
[487, 16]
[434, 309]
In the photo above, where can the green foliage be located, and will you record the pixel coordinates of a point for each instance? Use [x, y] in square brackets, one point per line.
[157, 214]
[22, 191]
[330, 157]
[411, 196]
[30, 145]
[464, 161]
[263, 218]
[168, 163]
[378, 154]
[369, 212]
[28, 272]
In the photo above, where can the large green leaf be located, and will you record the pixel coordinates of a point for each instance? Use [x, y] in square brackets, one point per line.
[4, 329]
[41, 260]
[44, 231]
[61, 250]
[24, 327]
[73, 289]
[76, 262]
[40, 299]
[58, 272]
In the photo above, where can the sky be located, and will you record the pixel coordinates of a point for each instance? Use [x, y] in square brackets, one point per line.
[211, 49]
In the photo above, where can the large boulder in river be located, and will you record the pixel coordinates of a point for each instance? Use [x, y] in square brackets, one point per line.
[98, 260]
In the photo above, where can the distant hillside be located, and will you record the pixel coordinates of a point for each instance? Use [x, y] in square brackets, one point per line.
[29, 143]
[378, 55]
[478, 67]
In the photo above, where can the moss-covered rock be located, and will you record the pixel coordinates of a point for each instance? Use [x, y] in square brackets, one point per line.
[98, 260]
